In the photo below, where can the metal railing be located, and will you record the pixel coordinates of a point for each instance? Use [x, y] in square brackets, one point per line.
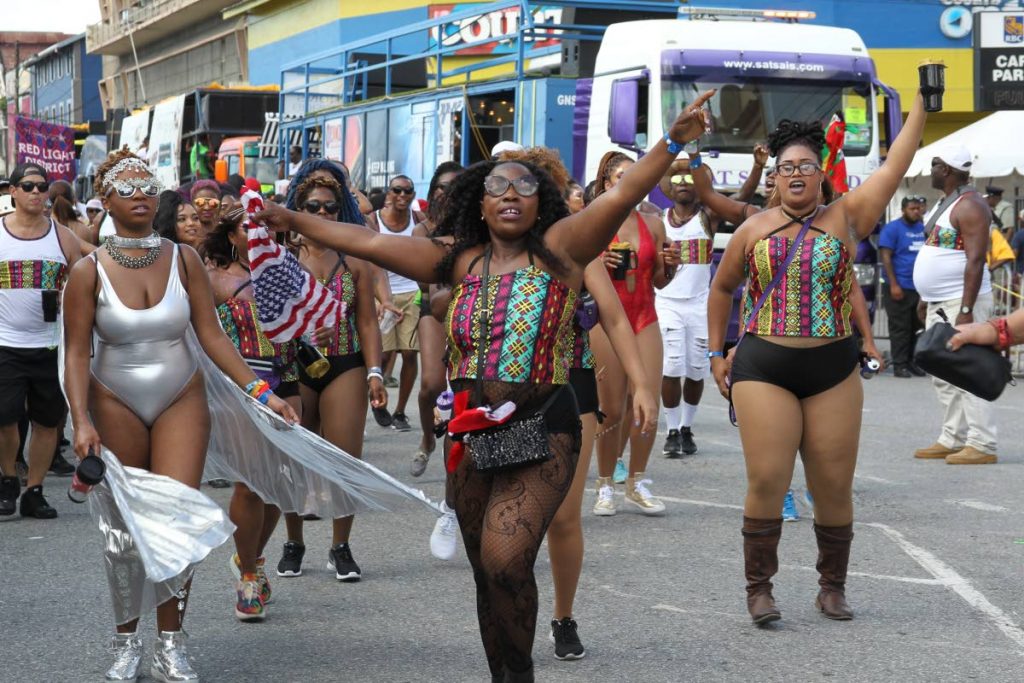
[133, 18]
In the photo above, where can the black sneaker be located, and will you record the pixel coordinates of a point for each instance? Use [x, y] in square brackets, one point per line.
[291, 560]
[915, 370]
[340, 560]
[673, 446]
[61, 467]
[902, 371]
[10, 487]
[219, 483]
[382, 416]
[689, 447]
[566, 640]
[33, 504]
[400, 423]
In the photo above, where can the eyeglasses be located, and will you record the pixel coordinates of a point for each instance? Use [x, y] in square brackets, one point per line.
[206, 202]
[28, 186]
[402, 190]
[497, 185]
[681, 179]
[806, 168]
[313, 206]
[126, 188]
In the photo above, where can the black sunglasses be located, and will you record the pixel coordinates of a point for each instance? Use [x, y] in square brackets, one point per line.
[313, 206]
[27, 186]
[402, 190]
[497, 185]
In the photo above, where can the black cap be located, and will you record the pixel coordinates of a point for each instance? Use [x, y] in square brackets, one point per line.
[992, 189]
[26, 169]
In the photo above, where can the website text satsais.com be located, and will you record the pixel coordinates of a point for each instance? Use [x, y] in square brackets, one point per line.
[774, 66]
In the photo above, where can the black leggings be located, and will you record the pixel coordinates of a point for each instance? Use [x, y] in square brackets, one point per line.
[503, 516]
[803, 372]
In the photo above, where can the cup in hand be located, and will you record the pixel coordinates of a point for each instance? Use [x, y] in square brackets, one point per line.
[625, 253]
[933, 84]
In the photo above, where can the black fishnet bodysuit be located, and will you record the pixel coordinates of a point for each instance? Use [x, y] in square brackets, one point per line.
[504, 516]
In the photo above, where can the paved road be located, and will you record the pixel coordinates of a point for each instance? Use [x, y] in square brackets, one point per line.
[936, 580]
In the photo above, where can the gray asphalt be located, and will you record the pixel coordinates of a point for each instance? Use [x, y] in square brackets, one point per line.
[935, 579]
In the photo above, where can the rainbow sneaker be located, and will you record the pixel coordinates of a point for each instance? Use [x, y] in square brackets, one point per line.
[236, 569]
[250, 605]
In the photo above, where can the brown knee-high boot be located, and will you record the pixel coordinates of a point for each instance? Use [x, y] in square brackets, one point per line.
[833, 558]
[761, 562]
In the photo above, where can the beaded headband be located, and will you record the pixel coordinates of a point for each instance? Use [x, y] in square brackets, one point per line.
[126, 164]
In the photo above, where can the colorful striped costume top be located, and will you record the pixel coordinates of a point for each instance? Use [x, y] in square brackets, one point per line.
[945, 237]
[40, 274]
[29, 267]
[343, 286]
[240, 320]
[696, 251]
[811, 300]
[530, 336]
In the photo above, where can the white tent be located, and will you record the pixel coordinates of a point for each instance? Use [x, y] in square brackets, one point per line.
[996, 143]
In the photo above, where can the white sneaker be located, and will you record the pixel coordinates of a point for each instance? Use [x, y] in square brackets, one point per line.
[640, 496]
[445, 536]
[604, 506]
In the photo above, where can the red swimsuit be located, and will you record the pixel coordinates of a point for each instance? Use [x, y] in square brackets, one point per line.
[639, 303]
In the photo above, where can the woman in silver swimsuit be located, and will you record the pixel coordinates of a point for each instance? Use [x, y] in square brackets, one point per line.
[142, 395]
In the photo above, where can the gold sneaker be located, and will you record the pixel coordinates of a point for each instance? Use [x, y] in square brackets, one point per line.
[971, 456]
[934, 452]
[639, 495]
[604, 506]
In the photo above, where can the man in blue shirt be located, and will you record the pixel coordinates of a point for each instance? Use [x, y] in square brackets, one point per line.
[899, 244]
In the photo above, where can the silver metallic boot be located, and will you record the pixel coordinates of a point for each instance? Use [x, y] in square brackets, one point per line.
[170, 661]
[127, 651]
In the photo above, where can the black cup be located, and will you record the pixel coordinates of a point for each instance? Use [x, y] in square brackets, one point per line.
[933, 84]
[51, 298]
[619, 272]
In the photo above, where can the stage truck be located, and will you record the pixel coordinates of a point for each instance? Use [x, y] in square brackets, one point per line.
[584, 78]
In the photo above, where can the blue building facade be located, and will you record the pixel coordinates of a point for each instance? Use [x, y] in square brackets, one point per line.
[65, 83]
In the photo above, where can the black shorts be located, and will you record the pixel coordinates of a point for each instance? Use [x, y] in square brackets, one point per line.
[803, 372]
[28, 377]
[339, 366]
[584, 382]
[287, 389]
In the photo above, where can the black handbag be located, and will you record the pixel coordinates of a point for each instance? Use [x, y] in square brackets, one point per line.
[517, 442]
[979, 370]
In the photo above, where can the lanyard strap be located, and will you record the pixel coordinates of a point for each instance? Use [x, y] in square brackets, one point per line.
[478, 393]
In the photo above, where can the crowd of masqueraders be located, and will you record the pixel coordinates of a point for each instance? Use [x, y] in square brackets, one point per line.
[184, 334]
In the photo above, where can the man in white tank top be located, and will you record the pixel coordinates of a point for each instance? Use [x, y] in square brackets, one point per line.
[398, 218]
[682, 307]
[36, 255]
[950, 275]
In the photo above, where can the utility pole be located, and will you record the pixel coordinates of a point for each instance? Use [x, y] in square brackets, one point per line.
[131, 39]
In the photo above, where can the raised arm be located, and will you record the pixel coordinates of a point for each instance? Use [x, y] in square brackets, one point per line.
[414, 257]
[866, 204]
[725, 207]
[584, 235]
[79, 312]
[761, 155]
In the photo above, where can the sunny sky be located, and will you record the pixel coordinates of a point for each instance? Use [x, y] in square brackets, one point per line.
[67, 16]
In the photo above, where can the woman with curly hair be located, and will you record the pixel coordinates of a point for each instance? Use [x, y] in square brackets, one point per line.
[227, 262]
[640, 238]
[176, 220]
[793, 379]
[334, 405]
[142, 394]
[516, 259]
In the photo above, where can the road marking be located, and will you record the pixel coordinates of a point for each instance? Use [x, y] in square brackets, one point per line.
[878, 480]
[956, 583]
[35, 538]
[978, 505]
[685, 501]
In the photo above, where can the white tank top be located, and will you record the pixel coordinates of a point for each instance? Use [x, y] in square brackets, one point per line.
[939, 268]
[27, 267]
[399, 283]
[693, 278]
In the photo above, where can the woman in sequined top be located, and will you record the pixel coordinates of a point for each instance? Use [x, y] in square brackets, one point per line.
[794, 375]
[509, 219]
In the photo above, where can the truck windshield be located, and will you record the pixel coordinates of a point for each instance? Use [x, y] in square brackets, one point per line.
[744, 113]
[266, 170]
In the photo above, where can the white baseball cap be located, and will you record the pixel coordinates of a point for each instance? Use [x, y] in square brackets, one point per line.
[94, 204]
[958, 157]
[505, 146]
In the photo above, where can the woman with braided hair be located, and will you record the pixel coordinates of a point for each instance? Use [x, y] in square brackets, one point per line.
[793, 379]
[515, 258]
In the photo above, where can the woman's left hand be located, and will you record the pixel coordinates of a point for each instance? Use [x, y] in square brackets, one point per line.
[281, 407]
[872, 352]
[323, 336]
[693, 121]
[671, 256]
[645, 410]
[981, 334]
[378, 394]
[276, 217]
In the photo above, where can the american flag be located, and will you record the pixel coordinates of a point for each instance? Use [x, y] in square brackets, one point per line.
[290, 301]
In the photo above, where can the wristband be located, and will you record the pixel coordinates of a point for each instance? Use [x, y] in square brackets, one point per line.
[371, 374]
[696, 162]
[716, 354]
[1004, 339]
[673, 146]
[256, 387]
[376, 370]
